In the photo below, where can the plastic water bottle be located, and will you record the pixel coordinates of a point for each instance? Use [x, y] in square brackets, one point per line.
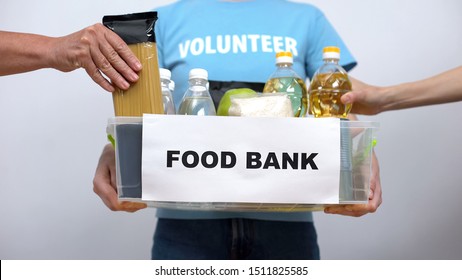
[286, 80]
[171, 86]
[329, 83]
[197, 99]
[167, 98]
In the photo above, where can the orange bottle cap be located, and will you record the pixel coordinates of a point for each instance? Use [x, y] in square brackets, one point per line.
[331, 52]
[280, 54]
[284, 57]
[331, 49]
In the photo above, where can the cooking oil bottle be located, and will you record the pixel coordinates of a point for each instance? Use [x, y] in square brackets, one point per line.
[286, 80]
[329, 83]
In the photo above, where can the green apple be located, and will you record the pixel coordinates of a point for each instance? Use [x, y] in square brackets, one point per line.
[225, 101]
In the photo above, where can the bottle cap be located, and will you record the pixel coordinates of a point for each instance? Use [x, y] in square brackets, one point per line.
[165, 73]
[284, 57]
[198, 73]
[331, 52]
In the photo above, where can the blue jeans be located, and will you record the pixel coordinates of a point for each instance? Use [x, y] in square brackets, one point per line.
[222, 239]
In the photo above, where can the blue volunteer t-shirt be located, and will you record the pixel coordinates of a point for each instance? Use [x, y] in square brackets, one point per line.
[237, 41]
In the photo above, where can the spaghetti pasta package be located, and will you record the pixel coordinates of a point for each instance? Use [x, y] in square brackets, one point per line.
[144, 96]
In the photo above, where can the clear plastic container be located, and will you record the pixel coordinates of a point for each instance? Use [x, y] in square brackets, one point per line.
[357, 141]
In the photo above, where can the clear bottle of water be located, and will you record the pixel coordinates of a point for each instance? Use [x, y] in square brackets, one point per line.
[171, 86]
[167, 98]
[197, 99]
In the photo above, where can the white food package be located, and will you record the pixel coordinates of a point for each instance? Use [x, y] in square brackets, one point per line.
[267, 105]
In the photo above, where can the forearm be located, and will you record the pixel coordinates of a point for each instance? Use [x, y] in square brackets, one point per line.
[443, 88]
[24, 52]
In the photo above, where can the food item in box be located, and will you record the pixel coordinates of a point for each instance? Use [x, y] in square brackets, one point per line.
[167, 90]
[328, 85]
[144, 96]
[286, 80]
[225, 101]
[268, 105]
[197, 100]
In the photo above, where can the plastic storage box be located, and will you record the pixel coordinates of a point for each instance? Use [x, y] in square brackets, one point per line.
[357, 139]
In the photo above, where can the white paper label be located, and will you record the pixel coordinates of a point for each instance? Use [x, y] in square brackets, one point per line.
[240, 159]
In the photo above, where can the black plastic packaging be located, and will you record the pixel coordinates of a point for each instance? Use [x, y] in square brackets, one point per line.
[133, 28]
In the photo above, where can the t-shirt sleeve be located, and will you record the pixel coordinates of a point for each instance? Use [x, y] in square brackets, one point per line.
[323, 34]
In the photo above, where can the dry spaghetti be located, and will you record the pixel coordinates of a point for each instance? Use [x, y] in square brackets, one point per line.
[144, 96]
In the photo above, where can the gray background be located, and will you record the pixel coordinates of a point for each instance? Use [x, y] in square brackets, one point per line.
[53, 129]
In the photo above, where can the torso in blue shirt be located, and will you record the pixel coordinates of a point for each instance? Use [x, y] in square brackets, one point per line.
[237, 41]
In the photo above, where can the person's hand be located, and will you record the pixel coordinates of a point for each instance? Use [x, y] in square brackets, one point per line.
[104, 183]
[366, 99]
[375, 197]
[99, 51]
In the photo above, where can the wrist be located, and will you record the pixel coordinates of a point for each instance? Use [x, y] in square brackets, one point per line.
[51, 55]
[407, 95]
[39, 51]
[391, 97]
